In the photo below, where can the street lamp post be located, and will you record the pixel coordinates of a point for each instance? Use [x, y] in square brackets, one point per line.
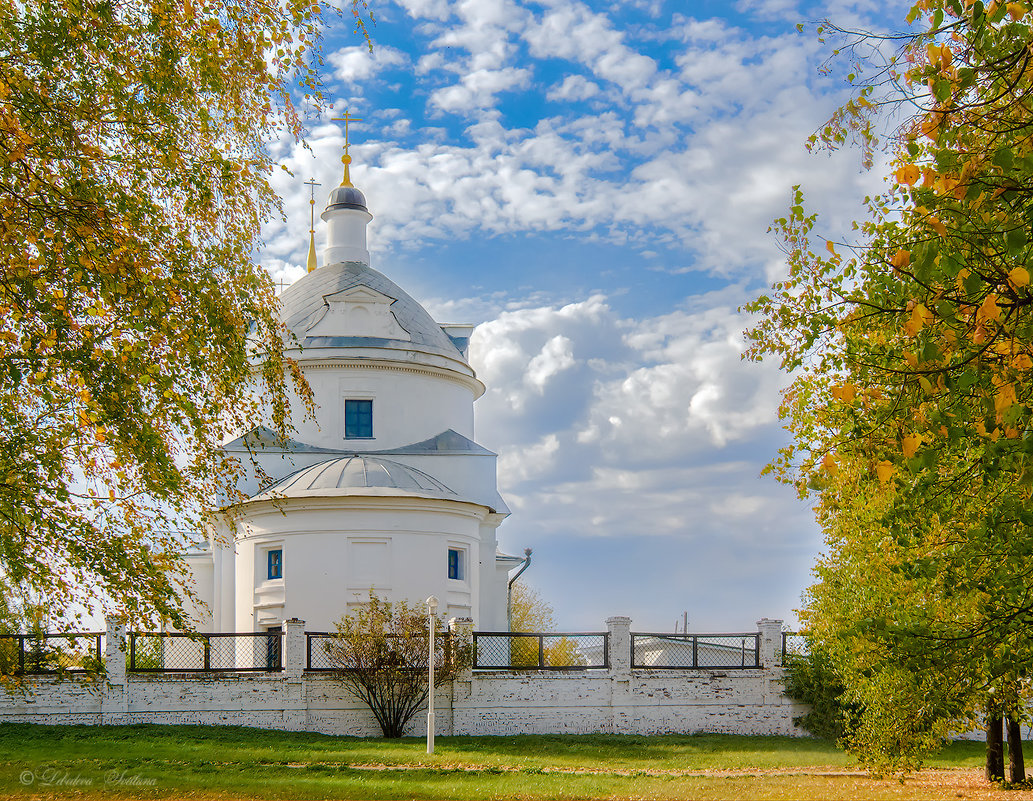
[432, 608]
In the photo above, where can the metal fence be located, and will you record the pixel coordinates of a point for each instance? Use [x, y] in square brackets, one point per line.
[719, 651]
[318, 652]
[203, 653]
[507, 650]
[74, 652]
[794, 643]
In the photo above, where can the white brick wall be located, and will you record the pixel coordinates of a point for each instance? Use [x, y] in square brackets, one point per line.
[617, 700]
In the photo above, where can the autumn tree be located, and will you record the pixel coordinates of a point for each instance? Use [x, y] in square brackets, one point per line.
[382, 655]
[911, 351]
[136, 331]
[531, 613]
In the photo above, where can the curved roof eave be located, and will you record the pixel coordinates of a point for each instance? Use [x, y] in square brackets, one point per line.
[271, 496]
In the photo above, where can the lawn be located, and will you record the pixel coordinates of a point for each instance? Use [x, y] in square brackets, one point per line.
[232, 763]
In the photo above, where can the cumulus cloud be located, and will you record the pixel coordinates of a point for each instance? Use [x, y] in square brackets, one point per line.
[477, 89]
[355, 64]
[574, 88]
[697, 155]
[620, 392]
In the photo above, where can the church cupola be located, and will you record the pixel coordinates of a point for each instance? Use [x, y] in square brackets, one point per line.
[346, 216]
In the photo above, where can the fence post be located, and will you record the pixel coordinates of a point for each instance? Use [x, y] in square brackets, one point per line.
[114, 697]
[619, 629]
[115, 651]
[295, 660]
[770, 642]
[295, 648]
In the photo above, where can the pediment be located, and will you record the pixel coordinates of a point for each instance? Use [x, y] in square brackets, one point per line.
[359, 311]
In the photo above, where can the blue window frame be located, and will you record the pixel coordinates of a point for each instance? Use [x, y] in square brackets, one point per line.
[358, 419]
[455, 564]
[275, 564]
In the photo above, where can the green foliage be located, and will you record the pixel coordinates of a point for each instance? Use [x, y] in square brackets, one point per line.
[136, 332]
[383, 657]
[811, 679]
[911, 406]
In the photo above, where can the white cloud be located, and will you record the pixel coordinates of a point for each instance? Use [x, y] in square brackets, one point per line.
[554, 357]
[356, 64]
[619, 394]
[477, 89]
[574, 88]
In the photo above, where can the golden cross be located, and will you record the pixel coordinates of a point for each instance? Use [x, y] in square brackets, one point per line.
[312, 184]
[346, 119]
[346, 158]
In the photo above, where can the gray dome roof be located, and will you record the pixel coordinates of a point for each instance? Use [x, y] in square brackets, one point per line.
[302, 302]
[346, 197]
[353, 475]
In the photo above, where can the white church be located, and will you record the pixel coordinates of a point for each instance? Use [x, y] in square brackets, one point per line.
[386, 488]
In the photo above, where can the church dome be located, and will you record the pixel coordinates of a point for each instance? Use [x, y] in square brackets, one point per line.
[358, 475]
[346, 197]
[302, 304]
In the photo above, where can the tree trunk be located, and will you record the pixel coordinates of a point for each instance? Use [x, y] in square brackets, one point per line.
[1016, 764]
[994, 747]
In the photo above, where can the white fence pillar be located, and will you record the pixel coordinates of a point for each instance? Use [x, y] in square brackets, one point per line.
[770, 642]
[114, 692]
[115, 651]
[619, 646]
[295, 660]
[295, 655]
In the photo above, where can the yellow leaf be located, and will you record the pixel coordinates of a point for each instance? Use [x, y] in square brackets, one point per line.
[884, 470]
[829, 464]
[920, 315]
[1019, 277]
[989, 310]
[830, 247]
[911, 359]
[909, 444]
[908, 174]
[929, 125]
[1005, 398]
[1016, 11]
[901, 259]
[938, 226]
[1022, 362]
[845, 393]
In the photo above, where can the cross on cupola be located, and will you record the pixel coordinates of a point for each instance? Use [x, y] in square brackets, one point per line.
[312, 184]
[346, 215]
[346, 158]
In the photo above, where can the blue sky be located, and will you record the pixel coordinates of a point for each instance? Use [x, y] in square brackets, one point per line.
[592, 183]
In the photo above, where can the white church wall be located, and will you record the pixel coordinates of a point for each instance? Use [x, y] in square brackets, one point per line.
[441, 402]
[336, 549]
[201, 583]
[469, 475]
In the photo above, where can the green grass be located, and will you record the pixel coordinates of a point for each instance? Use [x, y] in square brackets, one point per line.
[229, 762]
